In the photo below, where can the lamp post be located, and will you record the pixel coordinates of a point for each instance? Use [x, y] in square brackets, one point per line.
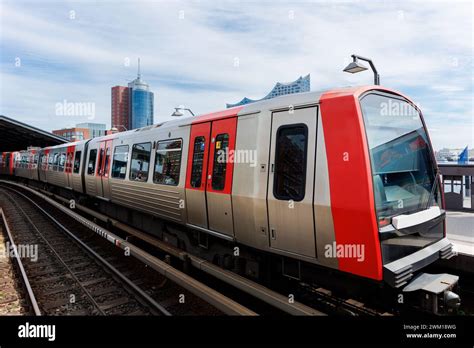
[178, 113]
[355, 67]
[120, 125]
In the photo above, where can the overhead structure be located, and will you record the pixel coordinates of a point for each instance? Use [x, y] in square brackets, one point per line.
[16, 135]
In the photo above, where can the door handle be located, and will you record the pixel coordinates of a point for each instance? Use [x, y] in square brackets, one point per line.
[273, 233]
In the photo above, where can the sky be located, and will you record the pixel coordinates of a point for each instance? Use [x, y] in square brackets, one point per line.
[203, 54]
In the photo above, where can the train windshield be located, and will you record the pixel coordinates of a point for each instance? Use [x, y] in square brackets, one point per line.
[404, 174]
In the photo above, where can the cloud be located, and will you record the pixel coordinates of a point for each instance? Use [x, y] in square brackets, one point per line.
[188, 52]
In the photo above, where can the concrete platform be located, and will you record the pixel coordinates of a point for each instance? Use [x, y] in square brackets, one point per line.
[460, 231]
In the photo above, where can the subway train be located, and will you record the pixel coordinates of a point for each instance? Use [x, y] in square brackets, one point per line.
[335, 186]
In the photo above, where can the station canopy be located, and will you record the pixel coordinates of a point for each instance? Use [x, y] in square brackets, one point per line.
[15, 135]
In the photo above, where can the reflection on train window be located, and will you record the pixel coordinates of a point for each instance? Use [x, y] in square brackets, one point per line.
[62, 161]
[77, 162]
[119, 166]
[220, 162]
[107, 160]
[91, 164]
[55, 161]
[290, 162]
[101, 159]
[140, 162]
[167, 162]
[198, 157]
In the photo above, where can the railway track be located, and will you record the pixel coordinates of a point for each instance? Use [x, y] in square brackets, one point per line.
[66, 277]
[242, 290]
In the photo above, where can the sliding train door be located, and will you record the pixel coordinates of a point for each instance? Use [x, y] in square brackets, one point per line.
[209, 176]
[196, 174]
[291, 181]
[219, 176]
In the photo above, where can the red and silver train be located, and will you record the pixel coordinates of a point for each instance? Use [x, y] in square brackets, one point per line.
[342, 182]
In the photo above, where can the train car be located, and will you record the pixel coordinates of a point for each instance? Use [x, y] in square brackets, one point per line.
[27, 166]
[60, 165]
[6, 163]
[342, 180]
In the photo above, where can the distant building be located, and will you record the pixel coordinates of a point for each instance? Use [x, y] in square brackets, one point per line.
[95, 129]
[82, 131]
[73, 134]
[302, 84]
[132, 106]
[120, 108]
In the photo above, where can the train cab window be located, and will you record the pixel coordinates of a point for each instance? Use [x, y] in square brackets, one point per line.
[140, 162]
[167, 162]
[62, 162]
[290, 162]
[119, 165]
[92, 161]
[77, 162]
[220, 162]
[198, 157]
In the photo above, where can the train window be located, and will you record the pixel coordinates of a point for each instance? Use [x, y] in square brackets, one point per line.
[92, 160]
[140, 162]
[220, 163]
[167, 162]
[55, 161]
[62, 161]
[119, 165]
[101, 159]
[290, 162]
[77, 161]
[198, 157]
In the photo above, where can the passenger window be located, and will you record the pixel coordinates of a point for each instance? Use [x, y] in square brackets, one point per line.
[62, 161]
[119, 166]
[167, 162]
[107, 159]
[77, 161]
[101, 159]
[55, 161]
[198, 158]
[92, 161]
[220, 161]
[290, 162]
[140, 162]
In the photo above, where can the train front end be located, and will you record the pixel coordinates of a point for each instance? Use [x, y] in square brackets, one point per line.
[408, 200]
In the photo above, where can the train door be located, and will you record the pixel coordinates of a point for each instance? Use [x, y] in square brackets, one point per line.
[68, 167]
[219, 176]
[291, 181]
[103, 166]
[196, 174]
[100, 164]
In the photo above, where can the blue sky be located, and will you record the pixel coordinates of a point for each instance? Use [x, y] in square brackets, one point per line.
[188, 51]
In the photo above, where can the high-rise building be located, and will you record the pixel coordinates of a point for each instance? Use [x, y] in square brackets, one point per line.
[95, 129]
[120, 108]
[132, 106]
[302, 84]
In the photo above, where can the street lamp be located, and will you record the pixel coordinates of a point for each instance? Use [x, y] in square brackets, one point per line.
[355, 67]
[178, 113]
[119, 125]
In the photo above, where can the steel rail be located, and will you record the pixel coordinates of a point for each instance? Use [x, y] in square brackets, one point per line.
[25, 280]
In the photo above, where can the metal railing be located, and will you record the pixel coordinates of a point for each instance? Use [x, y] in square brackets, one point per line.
[457, 180]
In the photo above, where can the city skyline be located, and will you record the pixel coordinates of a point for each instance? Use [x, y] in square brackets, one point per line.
[205, 55]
